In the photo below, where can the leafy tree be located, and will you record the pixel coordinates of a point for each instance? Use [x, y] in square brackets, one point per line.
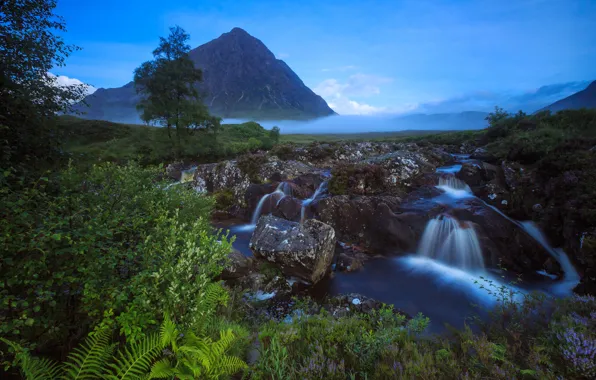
[495, 117]
[30, 97]
[167, 85]
[274, 134]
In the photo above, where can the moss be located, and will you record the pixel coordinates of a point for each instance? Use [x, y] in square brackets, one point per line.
[357, 179]
[224, 199]
[251, 164]
[284, 151]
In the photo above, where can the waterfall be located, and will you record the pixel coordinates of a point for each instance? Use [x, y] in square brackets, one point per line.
[282, 190]
[453, 242]
[321, 190]
[570, 276]
[454, 186]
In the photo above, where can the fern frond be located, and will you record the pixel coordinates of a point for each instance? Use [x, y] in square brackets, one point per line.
[135, 360]
[226, 338]
[229, 365]
[89, 359]
[162, 369]
[168, 332]
[33, 368]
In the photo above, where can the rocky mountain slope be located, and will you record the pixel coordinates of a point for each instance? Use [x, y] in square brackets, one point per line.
[585, 98]
[242, 79]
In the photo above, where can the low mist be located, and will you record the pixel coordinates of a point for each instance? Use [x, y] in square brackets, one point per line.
[386, 123]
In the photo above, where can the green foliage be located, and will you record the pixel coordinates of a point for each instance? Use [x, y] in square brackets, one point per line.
[81, 243]
[274, 134]
[90, 141]
[251, 165]
[87, 361]
[224, 199]
[32, 368]
[167, 85]
[30, 98]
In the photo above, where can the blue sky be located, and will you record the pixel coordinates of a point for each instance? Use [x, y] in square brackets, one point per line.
[364, 57]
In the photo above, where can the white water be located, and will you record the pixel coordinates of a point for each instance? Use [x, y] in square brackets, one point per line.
[453, 242]
[454, 187]
[282, 190]
[318, 193]
[434, 244]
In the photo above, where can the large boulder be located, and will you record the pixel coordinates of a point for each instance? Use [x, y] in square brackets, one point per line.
[304, 250]
[403, 166]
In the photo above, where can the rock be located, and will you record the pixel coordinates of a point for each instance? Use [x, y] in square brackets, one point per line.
[239, 266]
[304, 251]
[220, 176]
[255, 192]
[503, 242]
[174, 170]
[348, 263]
[371, 221]
[288, 208]
[511, 173]
[402, 166]
[472, 174]
[537, 207]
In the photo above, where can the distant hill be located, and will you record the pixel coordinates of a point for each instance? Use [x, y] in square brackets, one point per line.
[585, 98]
[242, 79]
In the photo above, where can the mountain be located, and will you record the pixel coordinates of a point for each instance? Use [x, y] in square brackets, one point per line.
[585, 98]
[242, 79]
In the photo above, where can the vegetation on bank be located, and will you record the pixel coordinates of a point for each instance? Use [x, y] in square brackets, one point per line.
[89, 141]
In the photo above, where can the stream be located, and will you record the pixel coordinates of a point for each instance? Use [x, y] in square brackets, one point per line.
[444, 279]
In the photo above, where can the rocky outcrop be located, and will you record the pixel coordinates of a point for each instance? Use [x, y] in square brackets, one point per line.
[238, 266]
[298, 250]
[375, 222]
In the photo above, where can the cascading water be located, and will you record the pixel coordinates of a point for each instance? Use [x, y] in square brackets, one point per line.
[282, 190]
[321, 190]
[454, 186]
[452, 242]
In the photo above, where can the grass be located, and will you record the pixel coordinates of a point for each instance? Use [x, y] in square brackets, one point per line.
[298, 138]
[95, 140]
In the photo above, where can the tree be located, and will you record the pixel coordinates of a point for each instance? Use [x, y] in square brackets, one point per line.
[168, 88]
[274, 134]
[495, 117]
[30, 97]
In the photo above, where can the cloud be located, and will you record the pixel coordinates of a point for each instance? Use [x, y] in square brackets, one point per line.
[527, 101]
[283, 55]
[338, 94]
[341, 68]
[345, 106]
[63, 81]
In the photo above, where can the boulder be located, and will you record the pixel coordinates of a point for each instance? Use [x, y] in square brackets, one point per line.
[300, 250]
[288, 208]
[403, 166]
[239, 266]
[374, 222]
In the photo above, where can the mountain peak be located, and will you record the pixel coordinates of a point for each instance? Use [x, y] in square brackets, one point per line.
[238, 31]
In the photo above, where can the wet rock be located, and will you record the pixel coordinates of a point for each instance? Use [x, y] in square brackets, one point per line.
[512, 173]
[402, 166]
[174, 170]
[537, 207]
[503, 242]
[255, 192]
[472, 174]
[220, 176]
[304, 251]
[288, 208]
[348, 263]
[239, 266]
[373, 222]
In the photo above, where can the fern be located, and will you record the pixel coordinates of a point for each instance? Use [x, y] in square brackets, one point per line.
[163, 369]
[33, 368]
[89, 360]
[168, 332]
[135, 360]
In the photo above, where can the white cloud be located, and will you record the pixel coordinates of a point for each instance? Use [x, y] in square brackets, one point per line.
[338, 94]
[63, 80]
[283, 55]
[345, 106]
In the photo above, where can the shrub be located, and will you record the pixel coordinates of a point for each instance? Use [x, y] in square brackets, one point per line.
[80, 243]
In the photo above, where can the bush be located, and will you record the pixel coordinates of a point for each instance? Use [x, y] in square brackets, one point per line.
[80, 244]
[251, 165]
